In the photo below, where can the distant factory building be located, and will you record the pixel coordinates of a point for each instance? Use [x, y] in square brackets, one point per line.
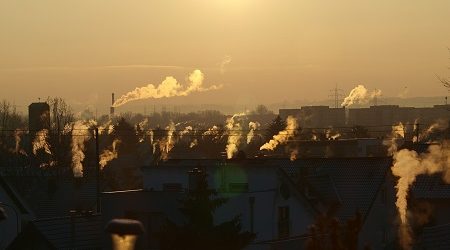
[38, 116]
[392, 114]
[383, 115]
[316, 116]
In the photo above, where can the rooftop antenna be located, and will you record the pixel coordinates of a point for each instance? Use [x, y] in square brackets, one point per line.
[336, 95]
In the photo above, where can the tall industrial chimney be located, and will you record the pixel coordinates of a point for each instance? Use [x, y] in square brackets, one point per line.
[111, 111]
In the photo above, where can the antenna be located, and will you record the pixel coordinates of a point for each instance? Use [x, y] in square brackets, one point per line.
[336, 95]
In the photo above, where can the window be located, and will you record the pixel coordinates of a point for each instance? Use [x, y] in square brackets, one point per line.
[283, 222]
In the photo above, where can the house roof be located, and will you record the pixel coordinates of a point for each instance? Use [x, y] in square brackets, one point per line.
[430, 187]
[353, 182]
[76, 232]
[436, 237]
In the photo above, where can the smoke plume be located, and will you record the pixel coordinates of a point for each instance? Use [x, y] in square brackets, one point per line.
[226, 60]
[331, 135]
[40, 142]
[283, 136]
[213, 132]
[439, 126]
[407, 166]
[234, 132]
[168, 88]
[108, 155]
[360, 95]
[81, 132]
[166, 144]
[252, 126]
[18, 138]
[398, 132]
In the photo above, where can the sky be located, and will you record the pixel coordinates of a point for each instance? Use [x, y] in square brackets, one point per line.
[260, 51]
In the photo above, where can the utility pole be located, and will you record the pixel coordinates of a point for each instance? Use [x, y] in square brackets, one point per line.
[336, 95]
[97, 166]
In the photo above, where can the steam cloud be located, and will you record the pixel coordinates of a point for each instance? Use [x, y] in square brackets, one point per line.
[226, 60]
[80, 134]
[108, 155]
[360, 95]
[283, 136]
[40, 142]
[17, 137]
[234, 131]
[251, 134]
[168, 88]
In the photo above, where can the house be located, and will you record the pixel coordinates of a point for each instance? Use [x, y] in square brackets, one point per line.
[279, 199]
[17, 212]
[78, 231]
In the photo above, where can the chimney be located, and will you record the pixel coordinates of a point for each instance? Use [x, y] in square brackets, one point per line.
[111, 111]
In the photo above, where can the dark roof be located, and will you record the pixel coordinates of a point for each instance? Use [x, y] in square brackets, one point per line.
[437, 237]
[353, 182]
[77, 232]
[50, 197]
[430, 187]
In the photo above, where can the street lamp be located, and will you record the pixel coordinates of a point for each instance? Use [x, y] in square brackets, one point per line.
[124, 233]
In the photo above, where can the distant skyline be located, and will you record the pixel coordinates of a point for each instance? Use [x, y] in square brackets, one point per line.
[262, 52]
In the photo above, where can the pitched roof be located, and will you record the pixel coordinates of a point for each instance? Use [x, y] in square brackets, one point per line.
[437, 237]
[353, 182]
[76, 232]
[430, 187]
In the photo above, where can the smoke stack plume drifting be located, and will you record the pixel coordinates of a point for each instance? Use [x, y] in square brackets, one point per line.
[407, 166]
[168, 88]
[283, 136]
[360, 95]
[234, 131]
[81, 133]
[111, 111]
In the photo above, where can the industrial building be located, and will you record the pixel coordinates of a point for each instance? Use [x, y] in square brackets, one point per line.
[324, 116]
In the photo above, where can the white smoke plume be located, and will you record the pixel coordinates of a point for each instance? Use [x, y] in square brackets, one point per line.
[213, 132]
[142, 125]
[106, 128]
[398, 132]
[108, 155]
[40, 142]
[234, 132]
[168, 88]
[81, 132]
[18, 138]
[331, 135]
[193, 143]
[439, 126]
[407, 166]
[185, 131]
[226, 60]
[166, 144]
[360, 95]
[283, 136]
[251, 134]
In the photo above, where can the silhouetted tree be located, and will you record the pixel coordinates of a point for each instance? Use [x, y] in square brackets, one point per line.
[198, 230]
[261, 110]
[328, 233]
[276, 126]
[126, 133]
[445, 81]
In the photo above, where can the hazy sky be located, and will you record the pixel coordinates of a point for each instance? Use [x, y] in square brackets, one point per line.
[280, 50]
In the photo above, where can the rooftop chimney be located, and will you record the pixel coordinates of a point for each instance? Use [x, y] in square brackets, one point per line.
[111, 111]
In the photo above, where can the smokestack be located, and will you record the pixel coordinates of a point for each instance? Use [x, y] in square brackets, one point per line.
[111, 111]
